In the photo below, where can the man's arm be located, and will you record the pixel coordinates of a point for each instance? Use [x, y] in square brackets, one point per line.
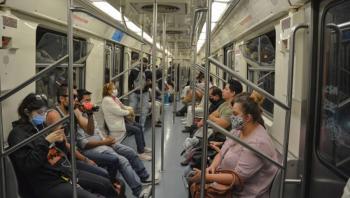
[87, 124]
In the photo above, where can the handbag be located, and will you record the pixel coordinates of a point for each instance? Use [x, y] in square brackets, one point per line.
[216, 190]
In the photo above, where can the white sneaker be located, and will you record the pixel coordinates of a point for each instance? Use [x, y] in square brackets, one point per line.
[147, 150]
[146, 192]
[145, 157]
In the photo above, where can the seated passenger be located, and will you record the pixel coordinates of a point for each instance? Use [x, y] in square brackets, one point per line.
[43, 165]
[105, 151]
[255, 173]
[115, 114]
[215, 98]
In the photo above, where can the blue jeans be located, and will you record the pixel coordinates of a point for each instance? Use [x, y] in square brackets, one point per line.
[134, 99]
[122, 158]
[91, 169]
[134, 128]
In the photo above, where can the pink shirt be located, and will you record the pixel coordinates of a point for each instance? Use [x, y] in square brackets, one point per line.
[256, 173]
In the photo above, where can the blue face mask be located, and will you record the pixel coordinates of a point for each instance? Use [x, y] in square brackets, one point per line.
[38, 120]
[237, 122]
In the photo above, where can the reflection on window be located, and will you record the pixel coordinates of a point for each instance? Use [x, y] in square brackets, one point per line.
[52, 46]
[260, 56]
[261, 50]
[334, 137]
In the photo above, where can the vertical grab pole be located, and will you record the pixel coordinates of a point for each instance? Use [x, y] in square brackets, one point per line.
[2, 162]
[206, 91]
[154, 59]
[70, 94]
[162, 80]
[289, 103]
[193, 83]
[175, 84]
[141, 70]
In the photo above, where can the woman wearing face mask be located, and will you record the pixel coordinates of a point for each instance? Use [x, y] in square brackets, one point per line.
[116, 117]
[40, 171]
[255, 172]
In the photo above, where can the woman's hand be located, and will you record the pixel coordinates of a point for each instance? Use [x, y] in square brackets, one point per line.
[214, 146]
[196, 178]
[211, 170]
[56, 136]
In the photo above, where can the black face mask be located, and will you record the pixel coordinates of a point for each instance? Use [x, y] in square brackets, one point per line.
[212, 100]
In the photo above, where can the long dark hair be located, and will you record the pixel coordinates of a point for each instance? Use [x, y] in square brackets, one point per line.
[250, 105]
[30, 103]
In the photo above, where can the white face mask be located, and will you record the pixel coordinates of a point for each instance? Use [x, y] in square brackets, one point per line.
[115, 93]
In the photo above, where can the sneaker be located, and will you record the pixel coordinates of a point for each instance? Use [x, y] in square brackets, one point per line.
[158, 125]
[146, 191]
[145, 157]
[147, 150]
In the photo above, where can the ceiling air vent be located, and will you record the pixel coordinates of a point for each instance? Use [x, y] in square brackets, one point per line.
[166, 6]
[161, 8]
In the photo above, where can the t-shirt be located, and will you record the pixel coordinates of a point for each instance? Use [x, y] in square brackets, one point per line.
[225, 111]
[256, 173]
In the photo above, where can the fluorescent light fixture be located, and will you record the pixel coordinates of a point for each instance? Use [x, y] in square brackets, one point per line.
[115, 14]
[108, 9]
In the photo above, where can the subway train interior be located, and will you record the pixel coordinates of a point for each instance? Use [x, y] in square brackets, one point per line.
[137, 98]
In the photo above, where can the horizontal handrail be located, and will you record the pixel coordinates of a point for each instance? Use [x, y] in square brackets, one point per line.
[229, 135]
[83, 10]
[130, 92]
[61, 65]
[266, 68]
[249, 84]
[32, 79]
[200, 68]
[34, 137]
[122, 73]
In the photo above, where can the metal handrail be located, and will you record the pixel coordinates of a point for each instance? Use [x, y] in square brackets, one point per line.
[154, 60]
[289, 99]
[123, 72]
[83, 10]
[206, 99]
[248, 83]
[202, 69]
[237, 139]
[130, 92]
[196, 11]
[163, 90]
[33, 137]
[32, 79]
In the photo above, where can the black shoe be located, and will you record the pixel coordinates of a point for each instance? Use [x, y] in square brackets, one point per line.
[186, 131]
[158, 124]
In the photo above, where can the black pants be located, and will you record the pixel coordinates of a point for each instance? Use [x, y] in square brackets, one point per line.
[89, 184]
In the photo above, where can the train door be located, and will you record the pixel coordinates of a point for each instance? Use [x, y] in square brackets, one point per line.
[51, 46]
[330, 162]
[113, 64]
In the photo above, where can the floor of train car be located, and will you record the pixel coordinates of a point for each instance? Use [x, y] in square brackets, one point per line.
[171, 184]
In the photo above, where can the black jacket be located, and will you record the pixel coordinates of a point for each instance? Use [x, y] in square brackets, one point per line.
[31, 161]
[133, 76]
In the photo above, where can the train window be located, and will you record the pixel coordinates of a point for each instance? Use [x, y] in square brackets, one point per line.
[114, 64]
[50, 47]
[229, 58]
[334, 132]
[260, 56]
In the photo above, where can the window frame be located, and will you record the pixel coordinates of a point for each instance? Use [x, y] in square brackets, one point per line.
[319, 92]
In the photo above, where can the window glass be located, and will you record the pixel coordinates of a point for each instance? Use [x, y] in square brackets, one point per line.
[260, 56]
[50, 47]
[334, 133]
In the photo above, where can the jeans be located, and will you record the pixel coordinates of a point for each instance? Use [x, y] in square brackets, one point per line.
[125, 159]
[83, 166]
[133, 128]
[135, 103]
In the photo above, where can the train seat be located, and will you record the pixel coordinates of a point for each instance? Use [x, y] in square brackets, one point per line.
[11, 180]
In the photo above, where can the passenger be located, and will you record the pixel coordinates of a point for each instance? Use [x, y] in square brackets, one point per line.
[141, 82]
[223, 113]
[255, 173]
[215, 98]
[115, 115]
[116, 157]
[45, 174]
